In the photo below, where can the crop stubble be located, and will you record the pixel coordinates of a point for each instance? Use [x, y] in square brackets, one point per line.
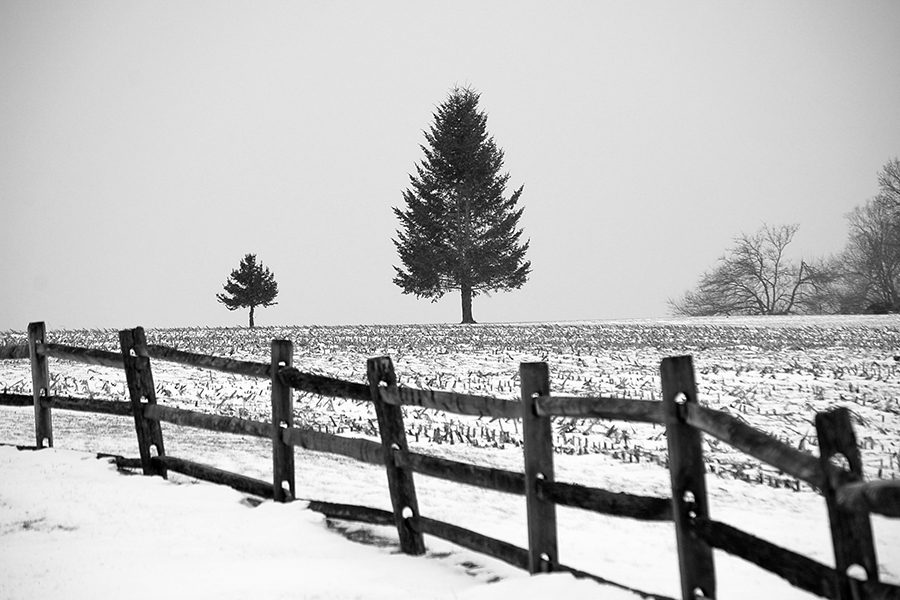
[775, 373]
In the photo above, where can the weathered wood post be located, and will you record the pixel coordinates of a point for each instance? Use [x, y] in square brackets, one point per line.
[687, 473]
[380, 373]
[40, 385]
[142, 392]
[537, 435]
[851, 531]
[283, 484]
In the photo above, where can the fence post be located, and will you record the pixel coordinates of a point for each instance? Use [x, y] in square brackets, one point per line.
[283, 484]
[851, 531]
[537, 435]
[40, 385]
[380, 373]
[687, 472]
[142, 392]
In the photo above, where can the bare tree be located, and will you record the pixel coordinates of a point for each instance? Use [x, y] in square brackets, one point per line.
[756, 278]
[889, 183]
[870, 263]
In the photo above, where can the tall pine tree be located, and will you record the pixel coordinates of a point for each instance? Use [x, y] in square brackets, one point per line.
[458, 231]
[249, 286]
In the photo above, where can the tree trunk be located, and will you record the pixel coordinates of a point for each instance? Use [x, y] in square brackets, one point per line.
[251, 316]
[467, 304]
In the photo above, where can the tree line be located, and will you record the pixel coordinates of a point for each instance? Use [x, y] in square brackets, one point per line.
[755, 277]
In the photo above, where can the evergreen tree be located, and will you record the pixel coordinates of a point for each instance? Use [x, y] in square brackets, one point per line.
[458, 232]
[250, 285]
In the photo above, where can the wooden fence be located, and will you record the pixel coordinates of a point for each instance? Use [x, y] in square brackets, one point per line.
[849, 499]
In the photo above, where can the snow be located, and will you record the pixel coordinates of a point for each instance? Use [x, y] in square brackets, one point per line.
[73, 527]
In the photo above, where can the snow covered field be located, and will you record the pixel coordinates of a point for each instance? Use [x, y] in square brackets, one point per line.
[775, 373]
[71, 527]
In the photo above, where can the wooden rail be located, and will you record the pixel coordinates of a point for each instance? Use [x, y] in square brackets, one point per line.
[205, 361]
[620, 504]
[89, 356]
[357, 448]
[489, 478]
[798, 570]
[241, 483]
[881, 497]
[187, 418]
[757, 444]
[324, 386]
[461, 404]
[850, 499]
[639, 411]
[10, 351]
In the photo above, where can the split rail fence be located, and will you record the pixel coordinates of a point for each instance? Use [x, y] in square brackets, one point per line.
[849, 498]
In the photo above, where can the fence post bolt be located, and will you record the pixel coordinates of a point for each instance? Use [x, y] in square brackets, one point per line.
[380, 373]
[537, 437]
[283, 485]
[40, 386]
[851, 531]
[142, 392]
[687, 473]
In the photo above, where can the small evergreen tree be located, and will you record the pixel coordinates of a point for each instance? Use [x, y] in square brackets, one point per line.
[458, 231]
[250, 285]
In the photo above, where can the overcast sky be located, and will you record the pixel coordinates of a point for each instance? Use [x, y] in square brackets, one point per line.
[145, 147]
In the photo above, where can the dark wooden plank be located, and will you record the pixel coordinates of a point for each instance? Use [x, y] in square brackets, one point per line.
[92, 405]
[241, 483]
[762, 446]
[283, 484]
[189, 418]
[40, 385]
[472, 540]
[142, 392]
[619, 504]
[351, 512]
[325, 386]
[16, 399]
[881, 497]
[461, 404]
[877, 590]
[122, 462]
[484, 477]
[851, 531]
[205, 361]
[360, 449]
[687, 473]
[798, 570]
[537, 435]
[622, 409]
[380, 372]
[14, 351]
[90, 356]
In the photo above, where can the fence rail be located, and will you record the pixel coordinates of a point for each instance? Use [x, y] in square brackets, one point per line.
[757, 444]
[849, 498]
[641, 411]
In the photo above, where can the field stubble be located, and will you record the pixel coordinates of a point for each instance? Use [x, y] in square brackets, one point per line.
[773, 373]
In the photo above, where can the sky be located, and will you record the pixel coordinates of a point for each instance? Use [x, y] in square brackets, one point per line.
[145, 147]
